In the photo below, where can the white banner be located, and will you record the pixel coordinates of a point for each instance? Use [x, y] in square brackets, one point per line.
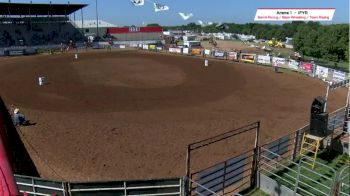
[264, 59]
[338, 76]
[321, 72]
[278, 60]
[293, 65]
[185, 51]
[294, 14]
[207, 52]
[219, 53]
[159, 48]
[145, 47]
[175, 50]
[122, 46]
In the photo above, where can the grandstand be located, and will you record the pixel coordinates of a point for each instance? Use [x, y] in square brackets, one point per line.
[29, 24]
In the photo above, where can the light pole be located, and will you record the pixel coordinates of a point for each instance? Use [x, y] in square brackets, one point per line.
[97, 33]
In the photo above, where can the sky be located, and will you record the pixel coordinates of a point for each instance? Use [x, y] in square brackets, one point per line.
[122, 12]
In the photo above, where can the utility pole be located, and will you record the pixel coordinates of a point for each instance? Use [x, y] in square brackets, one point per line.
[97, 33]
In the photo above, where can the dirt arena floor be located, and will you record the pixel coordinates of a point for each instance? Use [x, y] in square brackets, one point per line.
[131, 114]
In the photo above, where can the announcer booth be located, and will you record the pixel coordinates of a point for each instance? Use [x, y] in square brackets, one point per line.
[30, 24]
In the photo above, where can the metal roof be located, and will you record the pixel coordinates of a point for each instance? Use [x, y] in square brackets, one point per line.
[38, 8]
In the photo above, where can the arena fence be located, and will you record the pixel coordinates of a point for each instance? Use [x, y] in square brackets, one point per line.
[308, 68]
[38, 186]
[227, 177]
[343, 184]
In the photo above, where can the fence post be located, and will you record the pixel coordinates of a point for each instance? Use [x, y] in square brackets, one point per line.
[188, 164]
[255, 163]
[296, 144]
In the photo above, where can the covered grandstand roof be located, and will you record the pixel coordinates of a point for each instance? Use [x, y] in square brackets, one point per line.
[38, 8]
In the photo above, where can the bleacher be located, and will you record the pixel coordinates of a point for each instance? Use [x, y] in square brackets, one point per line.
[38, 34]
[37, 24]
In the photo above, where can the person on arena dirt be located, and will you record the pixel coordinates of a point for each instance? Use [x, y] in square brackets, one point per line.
[18, 118]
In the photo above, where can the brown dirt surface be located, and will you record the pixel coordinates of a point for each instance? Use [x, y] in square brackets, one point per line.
[131, 114]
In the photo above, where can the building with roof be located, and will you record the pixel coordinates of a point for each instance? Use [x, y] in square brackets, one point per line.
[89, 27]
[28, 24]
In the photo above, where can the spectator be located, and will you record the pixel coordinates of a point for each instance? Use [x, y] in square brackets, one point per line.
[18, 118]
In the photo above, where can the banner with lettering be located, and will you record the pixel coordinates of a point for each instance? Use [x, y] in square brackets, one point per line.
[250, 58]
[266, 60]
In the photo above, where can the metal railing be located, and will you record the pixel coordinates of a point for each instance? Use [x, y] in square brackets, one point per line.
[38, 186]
[205, 191]
[295, 175]
[344, 181]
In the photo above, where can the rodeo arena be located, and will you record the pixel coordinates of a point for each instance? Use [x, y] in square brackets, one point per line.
[89, 108]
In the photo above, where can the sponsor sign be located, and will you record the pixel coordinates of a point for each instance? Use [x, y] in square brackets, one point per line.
[122, 46]
[145, 47]
[185, 50]
[152, 47]
[266, 60]
[15, 52]
[2, 52]
[175, 50]
[250, 58]
[207, 52]
[196, 51]
[338, 76]
[232, 56]
[321, 72]
[159, 48]
[306, 67]
[278, 60]
[294, 14]
[294, 65]
[134, 45]
[218, 53]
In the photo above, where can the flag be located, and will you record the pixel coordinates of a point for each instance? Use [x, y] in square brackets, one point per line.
[159, 7]
[185, 16]
[138, 2]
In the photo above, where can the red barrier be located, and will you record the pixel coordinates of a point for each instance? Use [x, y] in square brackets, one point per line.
[7, 180]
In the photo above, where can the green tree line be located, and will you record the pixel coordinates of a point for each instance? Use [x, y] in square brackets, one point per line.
[330, 42]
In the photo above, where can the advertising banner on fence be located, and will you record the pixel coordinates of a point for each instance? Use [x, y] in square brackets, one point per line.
[306, 67]
[338, 76]
[2, 52]
[232, 56]
[122, 46]
[196, 51]
[159, 48]
[145, 47]
[218, 53]
[278, 60]
[321, 72]
[207, 52]
[152, 47]
[133, 45]
[185, 51]
[294, 65]
[175, 50]
[266, 60]
[16, 52]
[250, 58]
